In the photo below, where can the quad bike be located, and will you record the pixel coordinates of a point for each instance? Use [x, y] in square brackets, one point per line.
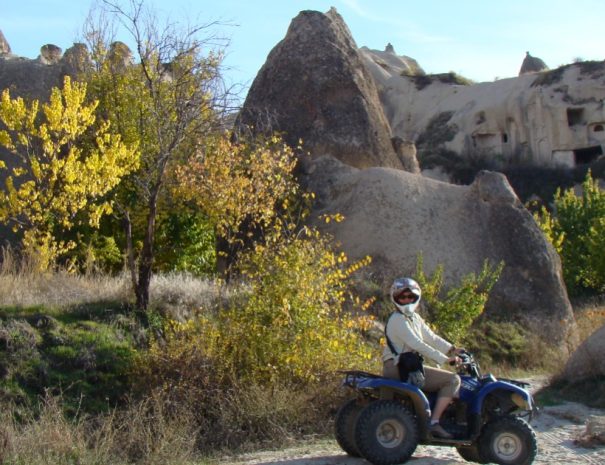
[388, 418]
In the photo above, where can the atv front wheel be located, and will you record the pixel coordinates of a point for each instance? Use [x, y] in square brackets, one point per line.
[386, 433]
[344, 428]
[508, 441]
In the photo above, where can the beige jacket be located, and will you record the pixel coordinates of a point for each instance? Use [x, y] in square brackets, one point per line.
[413, 334]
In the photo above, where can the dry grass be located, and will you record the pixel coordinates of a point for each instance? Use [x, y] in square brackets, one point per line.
[22, 286]
[155, 431]
[177, 293]
[589, 318]
[142, 433]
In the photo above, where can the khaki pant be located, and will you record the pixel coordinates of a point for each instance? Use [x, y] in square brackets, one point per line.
[445, 383]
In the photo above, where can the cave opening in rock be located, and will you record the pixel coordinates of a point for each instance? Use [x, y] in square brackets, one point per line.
[587, 155]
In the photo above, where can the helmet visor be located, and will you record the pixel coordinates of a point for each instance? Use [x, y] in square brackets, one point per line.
[405, 296]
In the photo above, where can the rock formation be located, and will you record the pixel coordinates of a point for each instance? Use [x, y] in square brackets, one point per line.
[532, 65]
[547, 118]
[50, 54]
[390, 62]
[29, 78]
[406, 152]
[120, 55]
[76, 59]
[315, 87]
[588, 360]
[394, 216]
[5, 48]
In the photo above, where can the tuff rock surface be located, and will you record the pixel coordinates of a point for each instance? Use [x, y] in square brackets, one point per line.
[5, 48]
[544, 117]
[588, 360]
[532, 65]
[315, 87]
[394, 216]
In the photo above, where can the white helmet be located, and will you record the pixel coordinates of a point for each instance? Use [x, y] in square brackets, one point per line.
[402, 287]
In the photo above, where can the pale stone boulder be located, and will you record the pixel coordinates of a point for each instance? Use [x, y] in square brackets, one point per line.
[50, 54]
[588, 360]
[406, 151]
[532, 65]
[393, 216]
[76, 59]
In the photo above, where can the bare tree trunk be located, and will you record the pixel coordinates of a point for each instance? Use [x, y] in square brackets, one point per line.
[130, 250]
[146, 258]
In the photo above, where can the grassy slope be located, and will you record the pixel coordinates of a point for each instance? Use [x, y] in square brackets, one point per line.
[84, 354]
[73, 340]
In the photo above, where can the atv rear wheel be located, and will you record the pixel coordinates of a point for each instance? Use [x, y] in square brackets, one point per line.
[344, 427]
[508, 441]
[386, 433]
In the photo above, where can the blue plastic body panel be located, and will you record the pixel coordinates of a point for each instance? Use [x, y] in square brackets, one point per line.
[473, 391]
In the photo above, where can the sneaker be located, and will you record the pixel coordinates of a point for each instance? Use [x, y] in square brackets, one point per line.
[438, 432]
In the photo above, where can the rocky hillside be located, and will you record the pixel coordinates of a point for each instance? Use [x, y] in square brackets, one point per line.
[542, 117]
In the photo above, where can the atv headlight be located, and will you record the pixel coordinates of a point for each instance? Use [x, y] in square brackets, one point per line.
[520, 401]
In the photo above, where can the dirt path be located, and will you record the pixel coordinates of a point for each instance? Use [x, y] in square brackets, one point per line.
[557, 429]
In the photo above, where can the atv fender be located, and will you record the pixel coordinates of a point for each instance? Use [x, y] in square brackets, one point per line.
[519, 396]
[370, 385]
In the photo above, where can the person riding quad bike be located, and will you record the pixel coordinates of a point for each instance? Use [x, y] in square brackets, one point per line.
[406, 334]
[485, 418]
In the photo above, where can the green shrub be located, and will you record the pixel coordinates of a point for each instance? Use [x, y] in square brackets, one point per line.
[501, 343]
[453, 312]
[577, 230]
[185, 241]
[290, 324]
[261, 365]
[95, 252]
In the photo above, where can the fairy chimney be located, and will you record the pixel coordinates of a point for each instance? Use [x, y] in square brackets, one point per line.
[314, 87]
[532, 65]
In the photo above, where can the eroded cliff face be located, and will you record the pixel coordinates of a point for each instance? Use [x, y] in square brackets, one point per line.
[314, 87]
[549, 118]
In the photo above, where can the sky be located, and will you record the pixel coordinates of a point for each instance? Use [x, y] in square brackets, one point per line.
[482, 40]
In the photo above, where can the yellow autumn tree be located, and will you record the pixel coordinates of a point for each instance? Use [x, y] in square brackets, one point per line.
[233, 183]
[61, 165]
[167, 96]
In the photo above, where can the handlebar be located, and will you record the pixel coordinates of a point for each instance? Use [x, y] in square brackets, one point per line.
[467, 364]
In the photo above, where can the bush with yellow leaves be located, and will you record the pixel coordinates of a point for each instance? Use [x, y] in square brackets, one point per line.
[292, 325]
[287, 325]
[277, 342]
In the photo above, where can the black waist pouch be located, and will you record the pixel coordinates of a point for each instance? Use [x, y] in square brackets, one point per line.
[411, 363]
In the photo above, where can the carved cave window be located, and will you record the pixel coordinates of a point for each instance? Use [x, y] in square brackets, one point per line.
[575, 116]
[598, 128]
[587, 155]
